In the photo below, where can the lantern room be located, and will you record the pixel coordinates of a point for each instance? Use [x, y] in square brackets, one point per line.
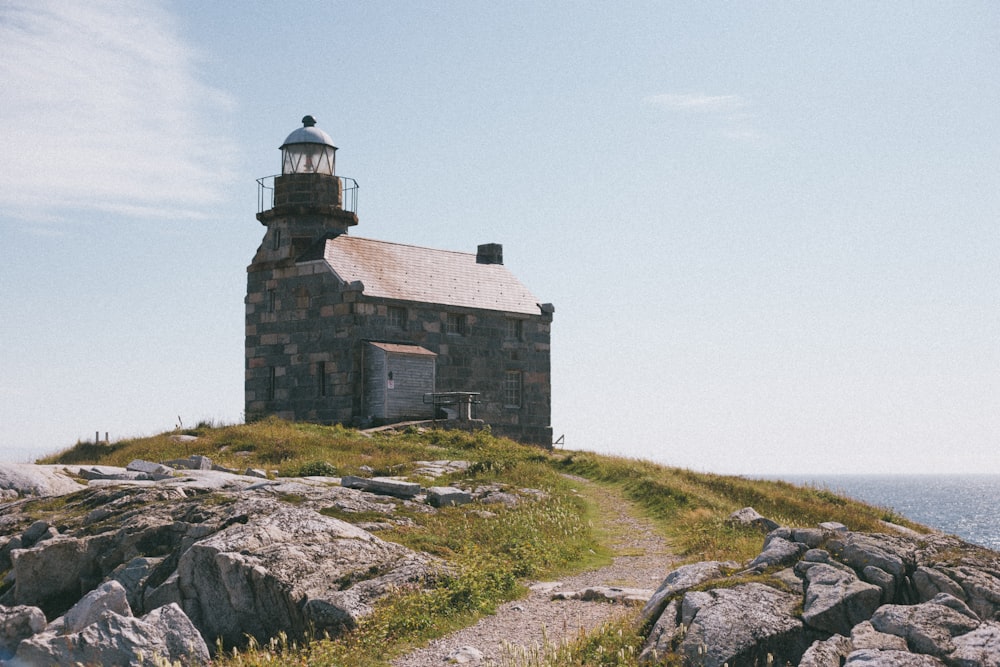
[308, 150]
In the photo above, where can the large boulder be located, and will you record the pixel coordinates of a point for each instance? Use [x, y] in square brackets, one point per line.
[279, 568]
[928, 627]
[678, 581]
[836, 600]
[27, 479]
[979, 648]
[742, 626]
[114, 639]
[16, 624]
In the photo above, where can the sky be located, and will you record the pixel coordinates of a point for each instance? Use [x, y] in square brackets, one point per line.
[769, 230]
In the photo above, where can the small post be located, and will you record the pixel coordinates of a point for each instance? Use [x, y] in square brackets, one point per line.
[97, 437]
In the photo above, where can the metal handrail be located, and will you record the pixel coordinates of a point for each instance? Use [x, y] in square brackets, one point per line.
[265, 193]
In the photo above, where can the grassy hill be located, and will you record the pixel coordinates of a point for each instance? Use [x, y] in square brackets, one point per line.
[492, 558]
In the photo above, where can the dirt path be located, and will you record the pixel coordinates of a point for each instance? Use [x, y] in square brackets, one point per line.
[642, 560]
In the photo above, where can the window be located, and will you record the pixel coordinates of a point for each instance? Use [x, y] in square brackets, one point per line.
[270, 383]
[515, 328]
[321, 378]
[272, 301]
[396, 317]
[277, 239]
[512, 389]
[455, 324]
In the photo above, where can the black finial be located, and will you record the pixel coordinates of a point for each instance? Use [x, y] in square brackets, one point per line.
[308, 121]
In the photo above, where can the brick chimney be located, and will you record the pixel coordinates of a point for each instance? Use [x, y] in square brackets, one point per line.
[489, 253]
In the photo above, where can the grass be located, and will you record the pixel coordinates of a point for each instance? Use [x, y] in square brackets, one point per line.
[490, 555]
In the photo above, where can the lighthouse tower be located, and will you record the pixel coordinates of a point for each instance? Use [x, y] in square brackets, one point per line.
[305, 203]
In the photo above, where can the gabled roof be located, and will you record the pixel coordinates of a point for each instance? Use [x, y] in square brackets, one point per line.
[426, 275]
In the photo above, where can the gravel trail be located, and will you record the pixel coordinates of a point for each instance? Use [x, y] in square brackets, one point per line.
[642, 560]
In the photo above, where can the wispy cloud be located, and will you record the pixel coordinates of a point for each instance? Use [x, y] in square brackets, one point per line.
[697, 102]
[103, 110]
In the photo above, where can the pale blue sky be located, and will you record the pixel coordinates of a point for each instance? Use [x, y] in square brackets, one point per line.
[770, 230]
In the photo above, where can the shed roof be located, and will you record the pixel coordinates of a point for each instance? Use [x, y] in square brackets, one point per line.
[425, 275]
[402, 348]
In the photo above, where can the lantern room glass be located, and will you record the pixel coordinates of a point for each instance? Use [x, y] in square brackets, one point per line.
[307, 158]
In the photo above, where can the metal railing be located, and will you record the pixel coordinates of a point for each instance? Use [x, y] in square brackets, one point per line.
[348, 193]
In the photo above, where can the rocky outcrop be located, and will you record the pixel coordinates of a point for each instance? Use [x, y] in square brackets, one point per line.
[826, 597]
[162, 558]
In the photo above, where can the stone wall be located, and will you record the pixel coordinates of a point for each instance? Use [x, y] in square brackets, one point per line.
[305, 332]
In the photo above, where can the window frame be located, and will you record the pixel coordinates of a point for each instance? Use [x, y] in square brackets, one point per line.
[513, 388]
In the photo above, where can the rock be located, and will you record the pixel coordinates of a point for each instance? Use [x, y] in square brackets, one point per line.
[133, 577]
[500, 498]
[981, 588]
[827, 653]
[255, 472]
[885, 581]
[446, 496]
[836, 600]
[859, 550]
[16, 624]
[778, 552]
[183, 641]
[928, 627]
[194, 462]
[109, 596]
[977, 648]
[865, 636]
[873, 658]
[464, 655]
[661, 637]
[27, 479]
[929, 581]
[811, 537]
[54, 574]
[154, 470]
[739, 625]
[119, 640]
[680, 580]
[749, 517]
[382, 485]
[833, 527]
[607, 594]
[279, 568]
[184, 438]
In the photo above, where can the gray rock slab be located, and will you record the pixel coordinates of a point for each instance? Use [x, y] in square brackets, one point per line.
[447, 496]
[874, 658]
[836, 601]
[749, 517]
[109, 596]
[865, 636]
[28, 479]
[979, 647]
[16, 624]
[927, 627]
[154, 470]
[778, 552]
[382, 485]
[827, 653]
[678, 581]
[739, 625]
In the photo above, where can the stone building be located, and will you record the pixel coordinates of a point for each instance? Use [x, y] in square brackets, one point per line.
[343, 329]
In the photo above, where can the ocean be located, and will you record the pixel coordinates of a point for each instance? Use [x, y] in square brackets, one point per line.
[964, 505]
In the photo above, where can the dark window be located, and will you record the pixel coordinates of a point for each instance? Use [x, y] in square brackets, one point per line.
[270, 383]
[396, 317]
[515, 328]
[277, 239]
[512, 389]
[455, 324]
[272, 300]
[321, 377]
